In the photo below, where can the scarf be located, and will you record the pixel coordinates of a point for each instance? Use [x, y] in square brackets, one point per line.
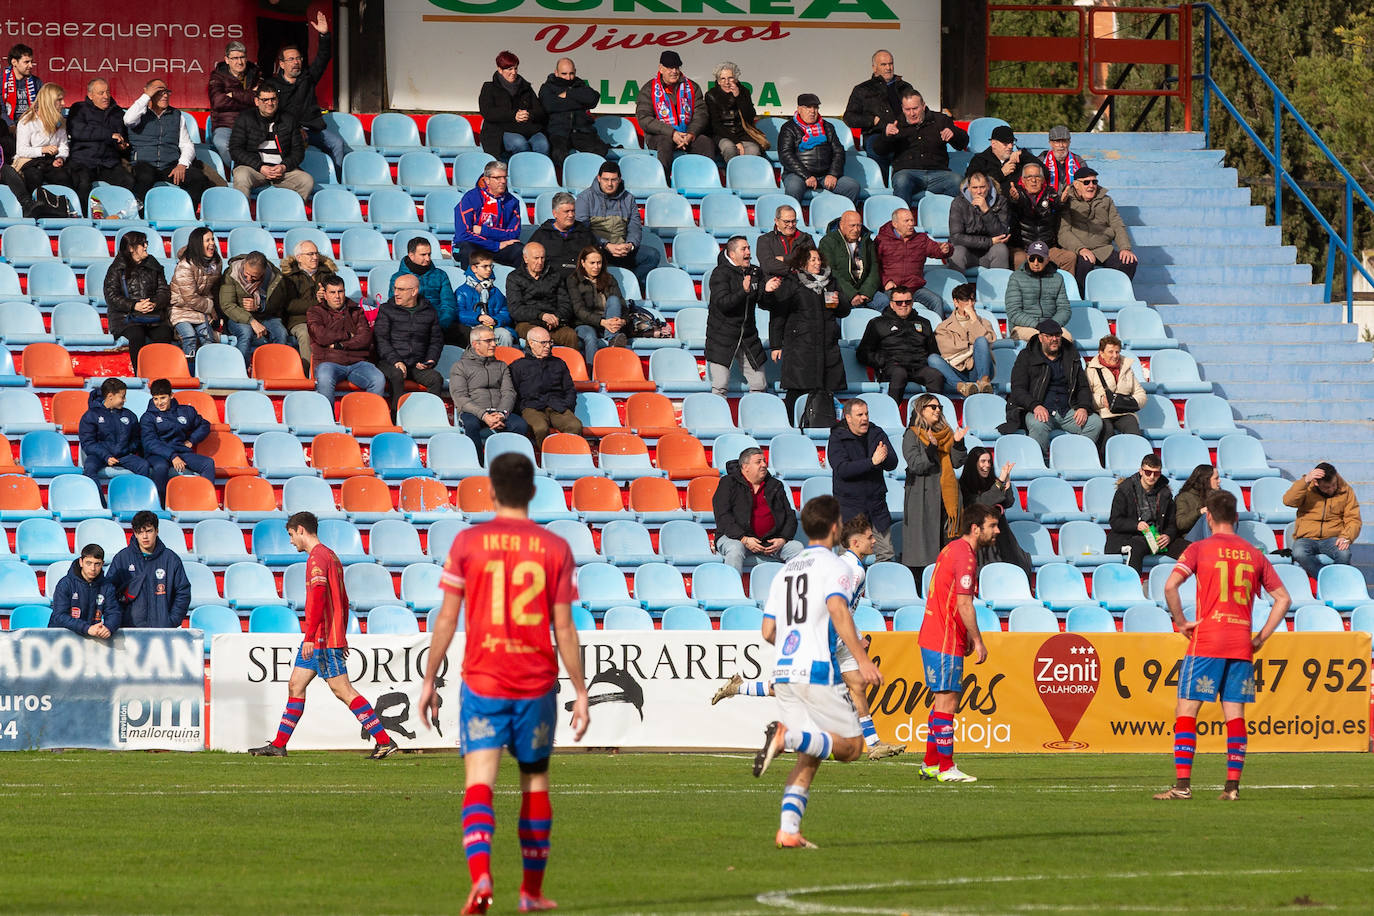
[943, 440]
[813, 135]
[253, 288]
[675, 111]
[1070, 166]
[483, 288]
[511, 86]
[11, 94]
[815, 282]
[491, 209]
[416, 269]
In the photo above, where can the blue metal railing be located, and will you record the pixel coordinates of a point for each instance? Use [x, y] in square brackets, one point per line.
[1345, 244]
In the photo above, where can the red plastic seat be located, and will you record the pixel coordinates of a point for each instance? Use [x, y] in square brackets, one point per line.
[423, 494]
[193, 493]
[651, 415]
[366, 414]
[700, 492]
[577, 368]
[246, 494]
[164, 360]
[230, 457]
[474, 495]
[620, 369]
[338, 455]
[49, 365]
[684, 457]
[278, 367]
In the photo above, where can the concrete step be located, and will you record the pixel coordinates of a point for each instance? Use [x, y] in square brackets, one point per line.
[1252, 404]
[1351, 390]
[1122, 174]
[1224, 255]
[1083, 143]
[1295, 374]
[1295, 343]
[1184, 215]
[1235, 313]
[1336, 430]
[1234, 274]
[1218, 195]
[1199, 236]
[1194, 294]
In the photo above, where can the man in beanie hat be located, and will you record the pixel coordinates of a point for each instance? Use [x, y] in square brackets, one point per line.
[811, 154]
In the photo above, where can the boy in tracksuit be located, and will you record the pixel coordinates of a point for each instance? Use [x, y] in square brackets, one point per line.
[109, 433]
[149, 581]
[170, 434]
[84, 600]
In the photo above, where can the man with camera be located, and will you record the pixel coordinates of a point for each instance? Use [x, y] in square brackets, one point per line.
[731, 332]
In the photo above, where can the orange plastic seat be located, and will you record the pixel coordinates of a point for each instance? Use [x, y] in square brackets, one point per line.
[193, 493]
[68, 407]
[230, 457]
[164, 360]
[474, 495]
[619, 369]
[683, 457]
[49, 365]
[655, 494]
[366, 414]
[566, 444]
[622, 443]
[19, 494]
[337, 455]
[651, 415]
[204, 404]
[366, 494]
[423, 494]
[278, 367]
[7, 463]
[246, 494]
[509, 355]
[577, 368]
[700, 492]
[597, 494]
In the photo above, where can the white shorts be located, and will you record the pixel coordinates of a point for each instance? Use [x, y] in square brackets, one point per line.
[817, 707]
[845, 659]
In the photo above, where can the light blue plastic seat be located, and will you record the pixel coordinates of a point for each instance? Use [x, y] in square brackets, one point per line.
[248, 585]
[643, 176]
[53, 281]
[391, 619]
[244, 239]
[1083, 544]
[45, 454]
[683, 543]
[248, 413]
[273, 618]
[1342, 587]
[761, 578]
[532, 174]
[879, 208]
[213, 619]
[302, 493]
[368, 586]
[1317, 618]
[336, 209]
[307, 234]
[1087, 325]
[1003, 586]
[1060, 586]
[343, 537]
[870, 178]
[1032, 618]
[1208, 417]
[1159, 577]
[21, 412]
[1266, 500]
[400, 244]
[25, 245]
[1110, 290]
[1141, 329]
[741, 617]
[363, 248]
[279, 456]
[74, 497]
[578, 534]
[623, 617]
[992, 281]
[166, 207]
[980, 132]
[908, 619]
[1097, 498]
[107, 533]
[932, 215]
[421, 172]
[441, 534]
[30, 617]
[707, 416]
[420, 586]
[619, 134]
[1181, 453]
[281, 209]
[1158, 418]
[1146, 618]
[219, 542]
[1089, 618]
[868, 619]
[580, 169]
[674, 371]
[764, 415]
[1124, 452]
[395, 134]
[82, 246]
[130, 494]
[221, 366]
[812, 487]
[366, 171]
[396, 456]
[825, 208]
[983, 413]
[41, 540]
[501, 443]
[724, 215]
[890, 585]
[77, 325]
[1295, 580]
[449, 134]
[671, 289]
[1362, 619]
[751, 177]
[308, 414]
[115, 200]
[1051, 501]
[223, 209]
[1116, 587]
[717, 587]
[626, 543]
[695, 176]
[695, 251]
[467, 168]
[766, 208]
[685, 617]
[391, 210]
[19, 585]
[1241, 457]
[601, 586]
[659, 586]
[666, 213]
[204, 590]
[793, 458]
[1075, 458]
[1025, 453]
[452, 456]
[9, 378]
[1174, 372]
[550, 502]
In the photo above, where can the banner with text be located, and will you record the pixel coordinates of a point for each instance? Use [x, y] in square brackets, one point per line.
[1115, 693]
[140, 690]
[440, 52]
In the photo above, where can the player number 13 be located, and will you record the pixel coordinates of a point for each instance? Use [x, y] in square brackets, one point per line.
[528, 574]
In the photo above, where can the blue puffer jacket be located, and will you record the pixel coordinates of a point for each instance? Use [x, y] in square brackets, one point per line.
[151, 589]
[165, 432]
[434, 286]
[106, 433]
[78, 605]
[469, 304]
[469, 212]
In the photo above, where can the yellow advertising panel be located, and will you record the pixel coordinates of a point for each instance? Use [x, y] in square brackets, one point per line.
[1115, 693]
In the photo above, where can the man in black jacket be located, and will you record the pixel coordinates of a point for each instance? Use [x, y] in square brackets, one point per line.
[860, 455]
[297, 87]
[775, 248]
[409, 340]
[1050, 390]
[267, 148]
[754, 514]
[731, 332]
[897, 343]
[811, 154]
[98, 139]
[538, 297]
[1141, 502]
[916, 145]
[1002, 161]
[874, 103]
[563, 237]
[1034, 210]
[568, 101]
[544, 392]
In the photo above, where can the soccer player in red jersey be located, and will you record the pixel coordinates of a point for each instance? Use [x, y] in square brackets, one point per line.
[324, 649]
[949, 631]
[1221, 641]
[513, 577]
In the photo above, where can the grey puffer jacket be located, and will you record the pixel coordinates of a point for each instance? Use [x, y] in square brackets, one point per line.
[970, 227]
[480, 383]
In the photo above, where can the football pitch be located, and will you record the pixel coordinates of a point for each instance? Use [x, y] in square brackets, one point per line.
[89, 832]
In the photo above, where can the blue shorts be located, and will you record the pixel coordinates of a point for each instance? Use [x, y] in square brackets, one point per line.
[524, 726]
[326, 663]
[944, 672]
[1202, 678]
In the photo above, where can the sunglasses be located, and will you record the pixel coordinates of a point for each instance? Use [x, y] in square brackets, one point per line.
[1036, 257]
[1090, 182]
[1146, 472]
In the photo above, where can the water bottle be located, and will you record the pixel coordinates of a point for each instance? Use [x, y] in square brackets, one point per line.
[1126, 555]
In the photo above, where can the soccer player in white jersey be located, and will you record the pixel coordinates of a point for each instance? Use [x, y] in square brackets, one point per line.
[806, 616]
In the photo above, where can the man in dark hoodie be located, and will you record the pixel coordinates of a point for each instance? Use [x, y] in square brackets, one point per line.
[563, 236]
[1050, 390]
[613, 215]
[897, 344]
[150, 584]
[754, 514]
[1142, 502]
[296, 86]
[568, 101]
[109, 433]
[860, 455]
[170, 433]
[84, 600]
[98, 141]
[538, 297]
[232, 84]
[409, 340]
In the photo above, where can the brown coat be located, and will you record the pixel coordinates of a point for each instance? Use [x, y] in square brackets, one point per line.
[954, 336]
[1092, 224]
[303, 286]
[195, 291]
[1126, 384]
[340, 336]
[1319, 516]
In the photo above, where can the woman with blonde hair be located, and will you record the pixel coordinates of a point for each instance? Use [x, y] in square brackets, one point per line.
[40, 145]
[933, 451]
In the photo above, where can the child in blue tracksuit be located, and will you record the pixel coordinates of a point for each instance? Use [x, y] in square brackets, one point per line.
[479, 298]
[109, 433]
[149, 579]
[84, 600]
[170, 434]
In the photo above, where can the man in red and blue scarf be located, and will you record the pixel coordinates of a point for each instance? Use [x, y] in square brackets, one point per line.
[671, 111]
[487, 218]
[18, 90]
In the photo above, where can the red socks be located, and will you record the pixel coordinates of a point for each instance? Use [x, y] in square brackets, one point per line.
[479, 823]
[536, 822]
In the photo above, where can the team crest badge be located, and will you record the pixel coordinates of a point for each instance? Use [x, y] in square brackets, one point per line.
[162, 573]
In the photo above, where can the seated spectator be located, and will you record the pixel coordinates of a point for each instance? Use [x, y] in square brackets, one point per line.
[1091, 231]
[253, 299]
[97, 142]
[537, 296]
[1001, 161]
[1036, 292]
[233, 88]
[1060, 165]
[1142, 502]
[296, 86]
[488, 218]
[480, 303]
[1049, 391]
[195, 291]
[979, 226]
[161, 146]
[409, 340]
[21, 87]
[854, 256]
[40, 145]
[875, 103]
[775, 247]
[1190, 504]
[1034, 212]
[982, 484]
[1328, 518]
[149, 580]
[902, 254]
[109, 433]
[137, 297]
[671, 111]
[613, 215]
[804, 329]
[563, 236]
[512, 118]
[568, 101]
[84, 600]
[734, 288]
[341, 342]
[965, 343]
[897, 345]
[170, 433]
[544, 391]
[811, 154]
[730, 112]
[860, 455]
[1117, 393]
[754, 513]
[434, 283]
[596, 303]
[301, 272]
[483, 393]
[916, 145]
[268, 149]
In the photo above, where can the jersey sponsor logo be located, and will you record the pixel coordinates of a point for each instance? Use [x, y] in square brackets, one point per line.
[76, 611]
[1067, 672]
[966, 581]
[1205, 684]
[161, 589]
[792, 644]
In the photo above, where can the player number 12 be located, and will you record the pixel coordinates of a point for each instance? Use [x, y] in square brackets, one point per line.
[527, 573]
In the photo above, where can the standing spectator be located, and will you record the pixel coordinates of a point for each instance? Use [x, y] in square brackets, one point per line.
[980, 484]
[233, 85]
[483, 393]
[596, 303]
[916, 144]
[1049, 390]
[268, 149]
[902, 254]
[563, 236]
[137, 297]
[979, 225]
[109, 433]
[811, 154]
[1143, 501]
[1034, 212]
[1328, 518]
[671, 111]
[40, 143]
[568, 102]
[409, 341]
[434, 284]
[732, 332]
[875, 103]
[149, 581]
[195, 291]
[965, 343]
[730, 111]
[302, 272]
[512, 118]
[170, 433]
[854, 256]
[162, 147]
[1190, 505]
[860, 455]
[341, 344]
[544, 390]
[1091, 231]
[753, 512]
[84, 600]
[20, 90]
[537, 296]
[775, 247]
[96, 137]
[1001, 161]
[480, 303]
[934, 506]
[253, 300]
[1117, 393]
[804, 329]
[488, 217]
[1060, 165]
[898, 344]
[296, 86]
[1035, 292]
[613, 215]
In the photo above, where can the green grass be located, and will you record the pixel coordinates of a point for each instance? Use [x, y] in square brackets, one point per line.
[328, 833]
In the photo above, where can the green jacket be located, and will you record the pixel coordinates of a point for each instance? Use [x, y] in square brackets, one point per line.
[231, 295]
[836, 253]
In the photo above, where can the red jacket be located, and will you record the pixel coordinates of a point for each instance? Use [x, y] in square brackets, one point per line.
[341, 336]
[903, 260]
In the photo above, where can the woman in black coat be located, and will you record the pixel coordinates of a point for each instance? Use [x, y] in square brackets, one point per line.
[805, 328]
[980, 483]
[137, 296]
[512, 118]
